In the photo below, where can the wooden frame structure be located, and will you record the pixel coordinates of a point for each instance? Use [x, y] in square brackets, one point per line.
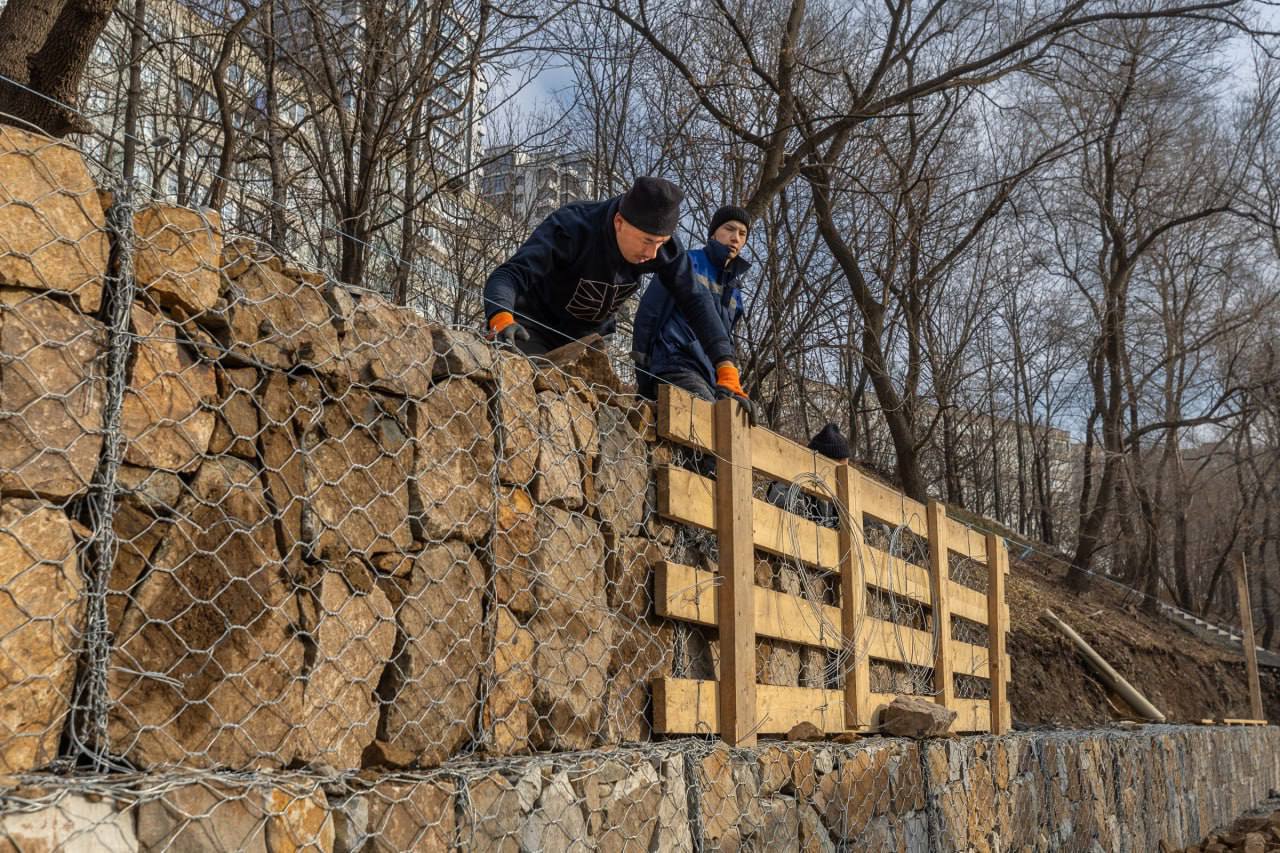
[738, 708]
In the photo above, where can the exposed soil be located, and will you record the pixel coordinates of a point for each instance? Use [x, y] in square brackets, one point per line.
[1186, 678]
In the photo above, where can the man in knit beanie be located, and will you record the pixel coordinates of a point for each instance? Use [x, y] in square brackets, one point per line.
[665, 346]
[587, 258]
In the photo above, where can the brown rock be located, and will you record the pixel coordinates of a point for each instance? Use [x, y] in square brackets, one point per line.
[906, 716]
[623, 813]
[138, 532]
[280, 322]
[215, 618]
[154, 490]
[284, 408]
[72, 823]
[560, 464]
[52, 227]
[388, 756]
[358, 463]
[352, 631]
[178, 257]
[856, 792]
[558, 824]
[52, 384]
[241, 254]
[416, 816]
[299, 823]
[518, 419]
[429, 688]
[451, 491]
[778, 663]
[804, 731]
[515, 548]
[463, 354]
[730, 803]
[210, 817]
[165, 421]
[389, 347]
[508, 703]
[775, 770]
[571, 672]
[40, 613]
[587, 359]
[1254, 842]
[630, 564]
[235, 430]
[621, 472]
[496, 809]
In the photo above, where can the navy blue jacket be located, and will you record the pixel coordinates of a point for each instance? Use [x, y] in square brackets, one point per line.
[664, 335]
[569, 278]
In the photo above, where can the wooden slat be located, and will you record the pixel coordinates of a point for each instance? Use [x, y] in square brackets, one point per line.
[911, 581]
[853, 597]
[734, 605]
[996, 627]
[688, 706]
[1246, 638]
[966, 541]
[943, 683]
[892, 507]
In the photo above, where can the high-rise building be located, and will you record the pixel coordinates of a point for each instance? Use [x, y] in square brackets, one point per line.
[529, 185]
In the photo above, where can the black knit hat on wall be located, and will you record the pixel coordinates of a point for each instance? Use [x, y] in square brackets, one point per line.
[652, 205]
[830, 443]
[729, 213]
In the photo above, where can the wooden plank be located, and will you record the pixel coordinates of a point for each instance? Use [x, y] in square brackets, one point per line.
[996, 628]
[893, 574]
[966, 541]
[853, 598]
[892, 507]
[734, 605]
[943, 683]
[688, 706]
[1231, 721]
[1246, 639]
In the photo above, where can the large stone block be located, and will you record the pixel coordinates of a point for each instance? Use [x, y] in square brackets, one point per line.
[71, 823]
[451, 491]
[236, 425]
[212, 818]
[178, 257]
[165, 418]
[275, 320]
[621, 796]
[286, 408]
[518, 419]
[508, 705]
[462, 353]
[497, 806]
[515, 549]
[358, 461]
[621, 472]
[389, 347]
[430, 687]
[560, 462]
[52, 382]
[351, 630]
[40, 613]
[729, 802]
[205, 670]
[412, 815]
[52, 227]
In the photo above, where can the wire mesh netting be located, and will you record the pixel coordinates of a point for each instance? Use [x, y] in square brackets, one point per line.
[286, 566]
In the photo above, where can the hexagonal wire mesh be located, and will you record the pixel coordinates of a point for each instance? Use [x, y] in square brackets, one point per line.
[286, 566]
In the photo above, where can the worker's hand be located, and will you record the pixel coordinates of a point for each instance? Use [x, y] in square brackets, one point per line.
[503, 329]
[728, 384]
[640, 359]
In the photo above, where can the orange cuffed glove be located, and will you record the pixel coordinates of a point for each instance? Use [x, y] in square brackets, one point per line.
[727, 378]
[503, 328]
[500, 321]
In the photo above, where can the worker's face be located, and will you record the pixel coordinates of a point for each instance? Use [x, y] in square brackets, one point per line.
[635, 245]
[732, 234]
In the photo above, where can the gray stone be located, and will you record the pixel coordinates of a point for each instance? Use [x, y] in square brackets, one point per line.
[461, 353]
[71, 823]
[497, 808]
[907, 716]
[621, 472]
[558, 824]
[412, 815]
[451, 490]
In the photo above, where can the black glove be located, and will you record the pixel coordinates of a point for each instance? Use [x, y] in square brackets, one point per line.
[747, 406]
[509, 335]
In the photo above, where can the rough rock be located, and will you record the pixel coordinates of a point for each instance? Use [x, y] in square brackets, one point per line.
[429, 688]
[629, 569]
[286, 407]
[621, 796]
[350, 822]
[70, 824]
[178, 257]
[215, 616]
[358, 461]
[40, 619]
[508, 705]
[299, 823]
[236, 425]
[416, 816]
[729, 805]
[351, 628]
[515, 548]
[571, 672]
[451, 491]
[855, 792]
[462, 353]
[383, 755]
[210, 818]
[804, 731]
[621, 472]
[906, 716]
[673, 809]
[52, 227]
[165, 419]
[778, 663]
[388, 347]
[560, 464]
[557, 825]
[587, 359]
[518, 419]
[497, 807]
[53, 386]
[154, 490]
[279, 322]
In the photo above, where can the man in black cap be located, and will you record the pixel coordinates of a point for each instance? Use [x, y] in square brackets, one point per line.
[830, 443]
[569, 278]
[665, 346]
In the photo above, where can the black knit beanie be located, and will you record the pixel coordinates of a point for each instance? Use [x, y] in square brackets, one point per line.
[728, 213]
[652, 205]
[830, 443]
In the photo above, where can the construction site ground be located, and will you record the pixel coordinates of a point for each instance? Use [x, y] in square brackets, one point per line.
[1186, 678]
